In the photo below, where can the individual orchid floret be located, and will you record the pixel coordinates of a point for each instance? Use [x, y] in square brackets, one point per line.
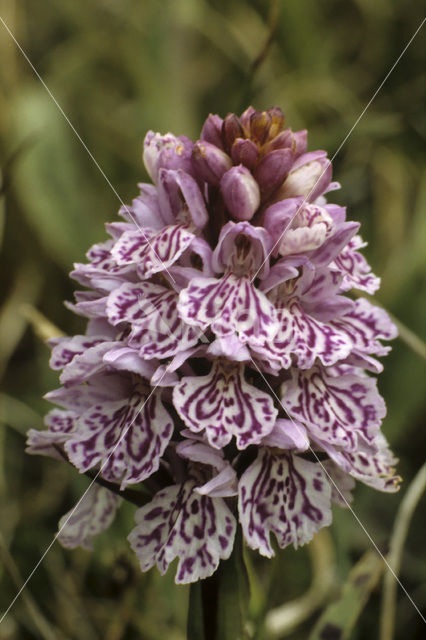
[166, 152]
[225, 380]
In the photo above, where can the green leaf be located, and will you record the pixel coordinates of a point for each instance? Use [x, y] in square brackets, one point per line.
[338, 620]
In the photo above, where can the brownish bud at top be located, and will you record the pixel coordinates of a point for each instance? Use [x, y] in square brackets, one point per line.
[260, 123]
[231, 129]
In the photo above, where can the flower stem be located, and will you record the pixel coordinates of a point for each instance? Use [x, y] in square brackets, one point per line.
[218, 605]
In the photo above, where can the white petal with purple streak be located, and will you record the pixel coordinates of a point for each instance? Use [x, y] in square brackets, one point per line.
[223, 405]
[126, 438]
[229, 306]
[365, 325]
[59, 424]
[335, 409]
[156, 328]
[355, 268]
[180, 523]
[285, 495]
[92, 515]
[154, 251]
[306, 339]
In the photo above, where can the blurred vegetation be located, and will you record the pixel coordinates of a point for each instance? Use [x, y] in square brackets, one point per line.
[119, 68]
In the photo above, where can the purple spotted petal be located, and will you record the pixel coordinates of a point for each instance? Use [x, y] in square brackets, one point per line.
[285, 495]
[156, 328]
[318, 291]
[86, 364]
[153, 252]
[102, 272]
[334, 409]
[334, 244]
[126, 438]
[229, 306]
[92, 515]
[373, 465]
[365, 325]
[355, 268]
[65, 349]
[223, 405]
[180, 523]
[59, 426]
[306, 339]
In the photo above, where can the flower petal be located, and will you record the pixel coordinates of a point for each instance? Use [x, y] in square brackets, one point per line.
[152, 251]
[126, 438]
[355, 268]
[373, 465]
[156, 328]
[302, 336]
[365, 325]
[285, 495]
[334, 409]
[65, 349]
[91, 516]
[223, 404]
[180, 523]
[229, 306]
[59, 424]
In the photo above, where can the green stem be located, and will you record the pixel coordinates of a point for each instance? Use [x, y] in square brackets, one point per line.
[218, 605]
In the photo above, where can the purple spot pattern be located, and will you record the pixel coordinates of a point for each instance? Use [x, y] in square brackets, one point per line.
[66, 348]
[229, 306]
[223, 404]
[339, 410]
[180, 523]
[365, 325]
[285, 495]
[374, 466]
[355, 268]
[156, 329]
[59, 425]
[88, 518]
[127, 438]
[154, 252]
[302, 339]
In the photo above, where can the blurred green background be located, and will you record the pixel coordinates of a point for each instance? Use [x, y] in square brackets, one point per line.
[119, 68]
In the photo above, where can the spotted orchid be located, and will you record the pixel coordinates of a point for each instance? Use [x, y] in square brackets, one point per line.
[224, 367]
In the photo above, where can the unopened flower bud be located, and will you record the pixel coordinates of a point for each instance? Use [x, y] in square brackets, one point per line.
[260, 123]
[240, 192]
[212, 130]
[231, 129]
[272, 169]
[209, 162]
[285, 140]
[245, 152]
[245, 117]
